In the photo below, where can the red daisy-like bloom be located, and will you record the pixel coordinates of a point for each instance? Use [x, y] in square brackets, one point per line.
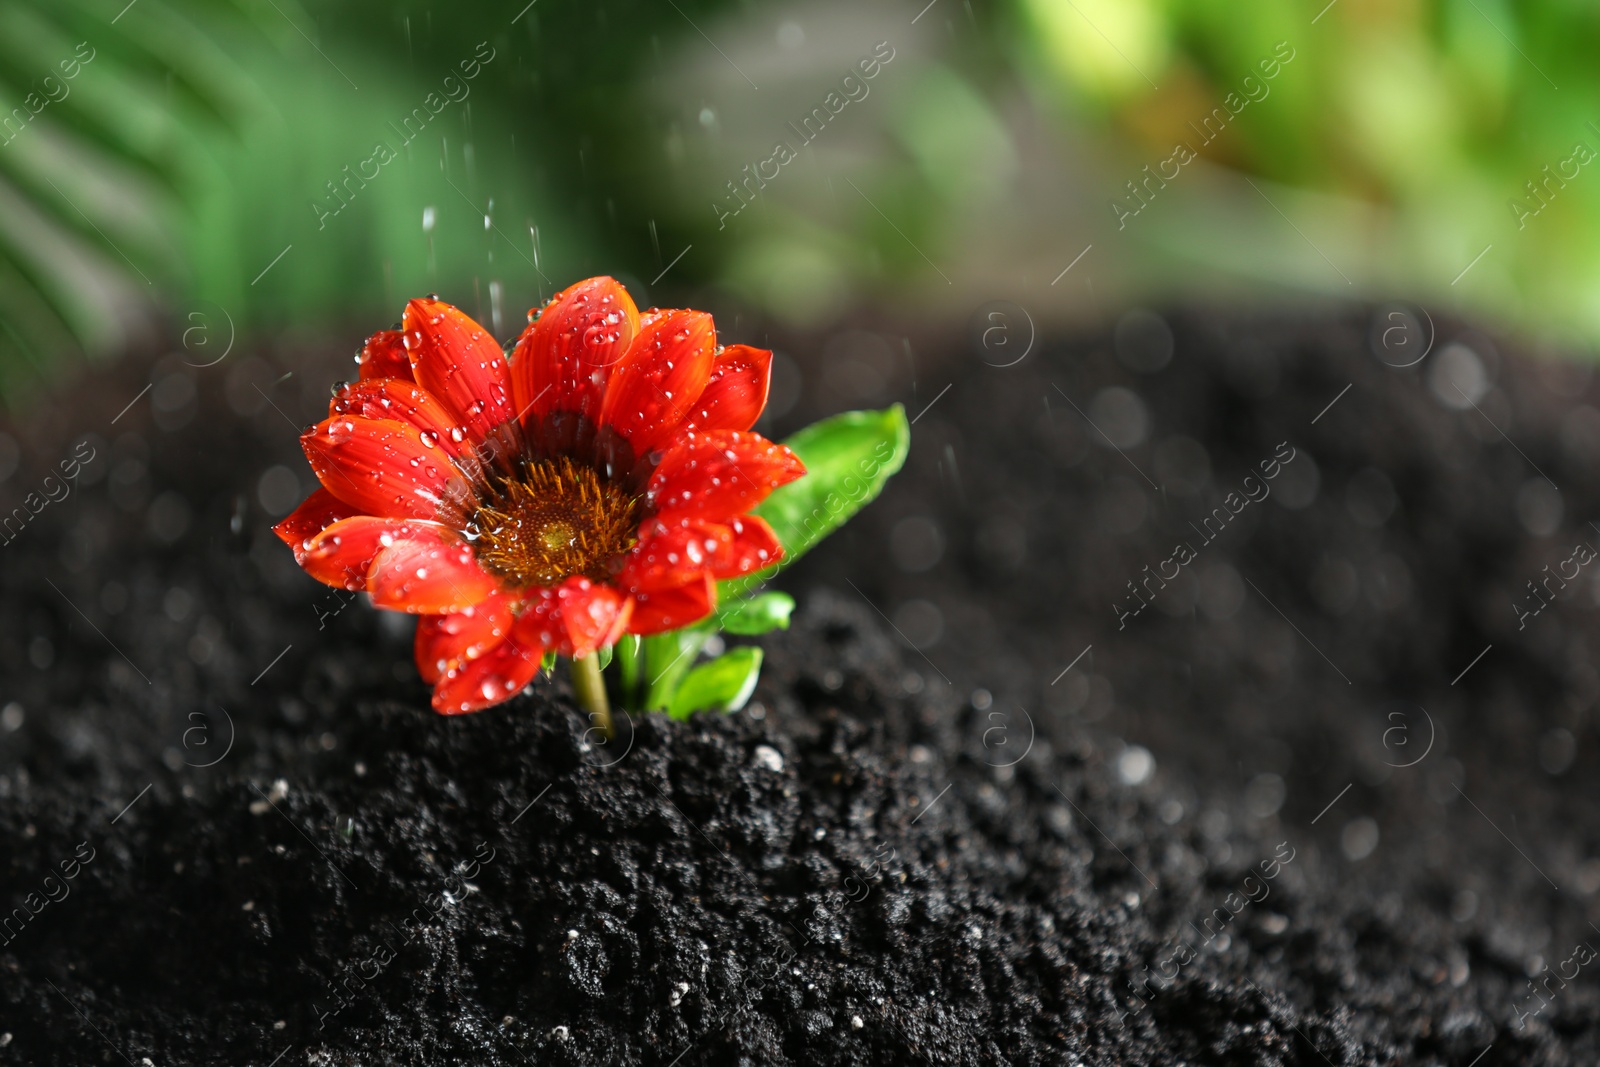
[595, 484]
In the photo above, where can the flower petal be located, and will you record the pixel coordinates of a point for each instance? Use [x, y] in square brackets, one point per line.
[592, 613]
[384, 356]
[720, 473]
[392, 398]
[316, 513]
[657, 383]
[430, 574]
[445, 642]
[753, 547]
[342, 554]
[379, 466]
[670, 554]
[670, 609]
[461, 365]
[501, 672]
[736, 392]
[562, 360]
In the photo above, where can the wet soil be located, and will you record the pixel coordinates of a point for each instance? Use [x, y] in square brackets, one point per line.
[1327, 798]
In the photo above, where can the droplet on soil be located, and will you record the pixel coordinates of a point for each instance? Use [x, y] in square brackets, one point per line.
[1135, 765]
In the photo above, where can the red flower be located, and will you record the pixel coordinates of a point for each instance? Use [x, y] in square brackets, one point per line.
[594, 484]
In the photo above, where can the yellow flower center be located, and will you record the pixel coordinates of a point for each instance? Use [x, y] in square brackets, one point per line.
[552, 520]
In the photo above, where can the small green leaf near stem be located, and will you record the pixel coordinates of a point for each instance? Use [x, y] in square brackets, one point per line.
[724, 684]
[667, 658]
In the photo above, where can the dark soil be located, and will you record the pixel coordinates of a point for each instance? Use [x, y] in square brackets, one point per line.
[852, 871]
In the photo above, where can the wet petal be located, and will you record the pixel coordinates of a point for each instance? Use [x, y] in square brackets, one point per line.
[669, 555]
[342, 555]
[502, 671]
[720, 473]
[592, 613]
[379, 466]
[445, 642]
[429, 575]
[669, 609]
[657, 383]
[384, 356]
[392, 398]
[752, 547]
[736, 392]
[460, 364]
[563, 359]
[319, 511]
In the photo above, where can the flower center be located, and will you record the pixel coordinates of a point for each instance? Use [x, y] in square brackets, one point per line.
[553, 519]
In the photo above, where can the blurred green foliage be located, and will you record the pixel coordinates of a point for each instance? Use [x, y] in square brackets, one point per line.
[1408, 137]
[250, 158]
[255, 156]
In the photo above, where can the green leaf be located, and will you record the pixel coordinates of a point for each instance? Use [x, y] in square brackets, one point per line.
[755, 615]
[605, 656]
[547, 662]
[724, 684]
[848, 459]
[667, 658]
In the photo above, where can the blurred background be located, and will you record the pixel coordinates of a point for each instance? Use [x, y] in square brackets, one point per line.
[252, 168]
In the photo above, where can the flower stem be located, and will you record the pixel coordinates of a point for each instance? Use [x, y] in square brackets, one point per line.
[591, 692]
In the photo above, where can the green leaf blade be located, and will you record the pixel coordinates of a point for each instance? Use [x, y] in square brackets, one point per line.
[848, 459]
[724, 684]
[759, 614]
[666, 658]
